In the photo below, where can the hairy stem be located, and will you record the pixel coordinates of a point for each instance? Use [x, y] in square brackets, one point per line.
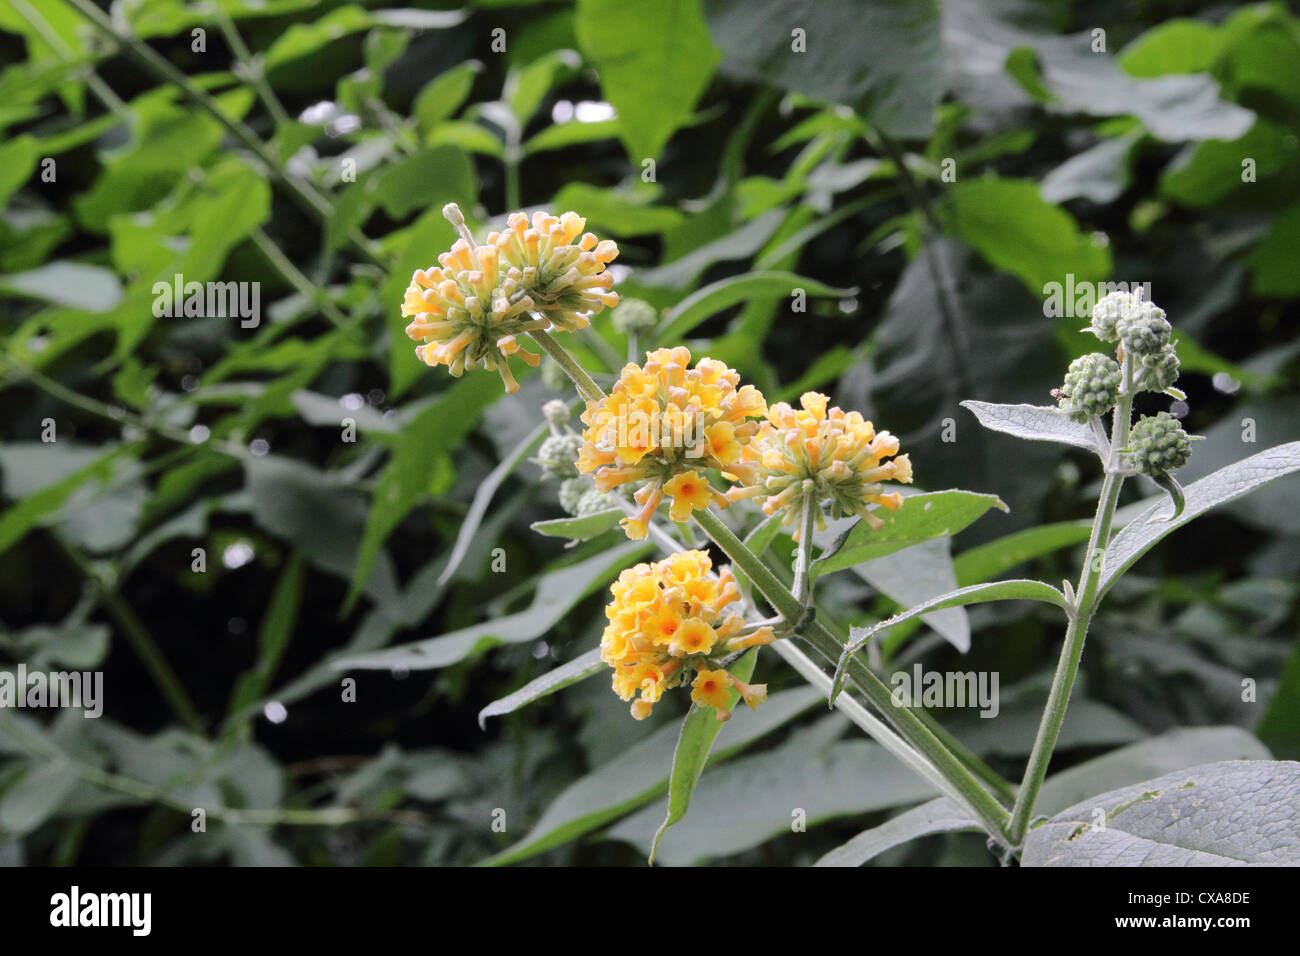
[1067, 668]
[586, 385]
[982, 805]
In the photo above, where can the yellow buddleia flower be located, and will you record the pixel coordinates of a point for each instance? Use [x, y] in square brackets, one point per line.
[670, 617]
[662, 426]
[474, 305]
[821, 454]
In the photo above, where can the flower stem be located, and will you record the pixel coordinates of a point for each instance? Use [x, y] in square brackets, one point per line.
[985, 808]
[586, 385]
[1067, 668]
[802, 590]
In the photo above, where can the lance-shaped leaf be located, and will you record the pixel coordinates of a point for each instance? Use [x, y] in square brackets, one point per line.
[934, 514]
[1001, 555]
[1240, 478]
[937, 816]
[556, 593]
[1231, 813]
[640, 774]
[579, 668]
[579, 529]
[699, 730]
[1036, 423]
[483, 497]
[712, 299]
[1017, 590]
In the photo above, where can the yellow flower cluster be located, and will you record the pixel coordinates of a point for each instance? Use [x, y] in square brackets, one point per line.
[662, 425]
[671, 617]
[822, 453]
[479, 299]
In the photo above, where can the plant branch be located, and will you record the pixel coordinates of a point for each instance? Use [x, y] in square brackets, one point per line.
[1067, 668]
[991, 814]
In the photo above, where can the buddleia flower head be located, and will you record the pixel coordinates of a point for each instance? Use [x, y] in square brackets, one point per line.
[815, 453]
[663, 426]
[673, 617]
[474, 305]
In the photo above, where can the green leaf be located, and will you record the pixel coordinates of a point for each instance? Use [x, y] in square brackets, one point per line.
[892, 73]
[715, 297]
[1272, 264]
[937, 816]
[273, 638]
[1016, 590]
[746, 802]
[1003, 554]
[913, 576]
[1019, 232]
[87, 287]
[700, 728]
[527, 87]
[36, 504]
[616, 212]
[572, 133]
[654, 59]
[640, 774]
[483, 498]
[1146, 530]
[579, 529]
[563, 676]
[738, 243]
[1179, 45]
[933, 514]
[1100, 174]
[1229, 813]
[1035, 423]
[444, 95]
[1280, 725]
[556, 592]
[432, 177]
[435, 431]
[36, 796]
[17, 160]
[1173, 750]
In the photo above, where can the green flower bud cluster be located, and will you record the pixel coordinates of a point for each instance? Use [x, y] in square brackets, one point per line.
[579, 497]
[634, 317]
[558, 456]
[1158, 445]
[1091, 387]
[1144, 332]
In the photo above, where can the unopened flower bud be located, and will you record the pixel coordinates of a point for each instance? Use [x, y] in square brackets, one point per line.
[556, 412]
[634, 317]
[1159, 370]
[1158, 445]
[1108, 311]
[558, 456]
[1143, 331]
[1091, 386]
[571, 492]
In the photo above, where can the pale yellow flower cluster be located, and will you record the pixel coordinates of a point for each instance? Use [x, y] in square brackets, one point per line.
[669, 619]
[472, 307]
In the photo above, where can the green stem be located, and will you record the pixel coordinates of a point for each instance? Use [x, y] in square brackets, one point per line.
[303, 192]
[1067, 668]
[985, 808]
[586, 385]
[802, 591]
[253, 70]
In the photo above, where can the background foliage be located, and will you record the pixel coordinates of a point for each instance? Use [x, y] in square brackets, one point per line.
[732, 170]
